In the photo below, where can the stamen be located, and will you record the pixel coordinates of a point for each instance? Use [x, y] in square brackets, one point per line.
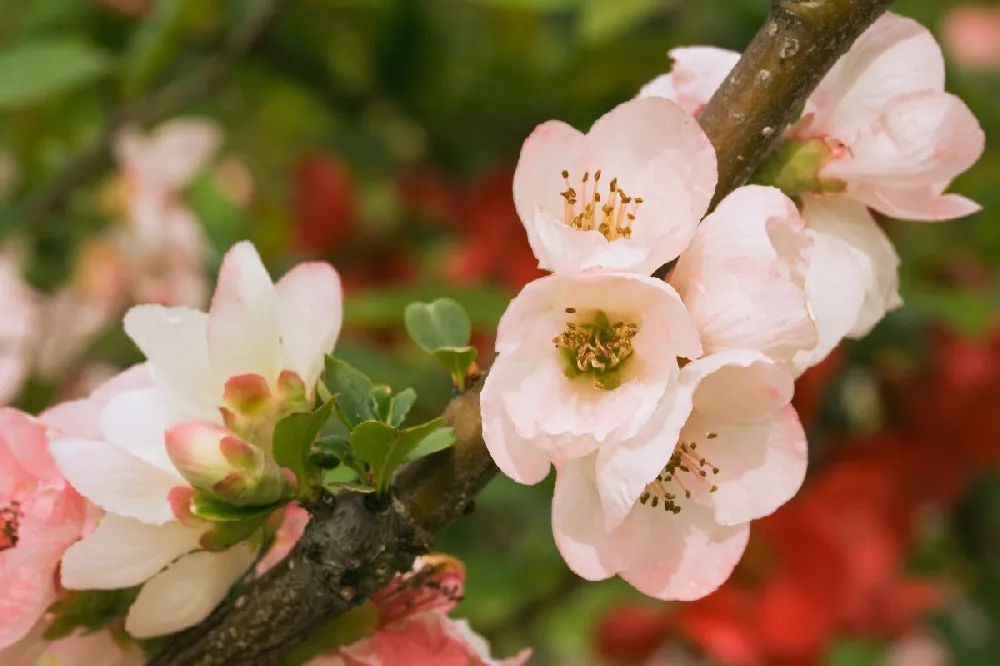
[613, 219]
[10, 523]
[597, 347]
[684, 460]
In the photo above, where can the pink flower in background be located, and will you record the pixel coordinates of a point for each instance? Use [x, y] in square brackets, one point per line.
[218, 383]
[972, 35]
[18, 325]
[410, 624]
[626, 196]
[679, 531]
[162, 241]
[587, 363]
[897, 138]
[917, 649]
[40, 516]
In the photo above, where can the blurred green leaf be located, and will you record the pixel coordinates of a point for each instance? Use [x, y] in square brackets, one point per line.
[350, 627]
[88, 609]
[604, 20]
[854, 652]
[438, 324]
[31, 72]
[227, 534]
[293, 439]
[483, 305]
[156, 40]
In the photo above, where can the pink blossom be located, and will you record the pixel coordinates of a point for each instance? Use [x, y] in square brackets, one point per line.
[917, 649]
[18, 326]
[258, 351]
[40, 516]
[587, 363]
[694, 77]
[898, 138]
[743, 279]
[741, 454]
[625, 196]
[972, 35]
[163, 242]
[411, 624]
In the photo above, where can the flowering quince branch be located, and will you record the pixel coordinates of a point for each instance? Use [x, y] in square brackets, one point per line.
[355, 544]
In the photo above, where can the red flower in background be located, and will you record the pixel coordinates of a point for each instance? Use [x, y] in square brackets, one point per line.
[323, 206]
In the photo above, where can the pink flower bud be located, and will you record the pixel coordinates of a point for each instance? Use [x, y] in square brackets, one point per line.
[212, 459]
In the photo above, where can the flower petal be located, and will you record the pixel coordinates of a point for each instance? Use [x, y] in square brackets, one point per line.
[895, 56]
[696, 74]
[520, 459]
[311, 310]
[243, 324]
[578, 525]
[81, 418]
[122, 552]
[684, 556]
[175, 340]
[116, 480]
[761, 465]
[186, 592]
[136, 422]
[738, 386]
[24, 438]
[171, 155]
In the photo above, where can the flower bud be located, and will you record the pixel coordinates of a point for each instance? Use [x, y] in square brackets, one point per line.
[213, 460]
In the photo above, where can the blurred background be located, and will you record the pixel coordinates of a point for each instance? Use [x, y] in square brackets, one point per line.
[140, 138]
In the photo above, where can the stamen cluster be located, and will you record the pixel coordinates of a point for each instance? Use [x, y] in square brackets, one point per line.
[598, 347]
[613, 219]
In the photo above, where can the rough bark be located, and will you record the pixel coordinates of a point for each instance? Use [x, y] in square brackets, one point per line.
[351, 547]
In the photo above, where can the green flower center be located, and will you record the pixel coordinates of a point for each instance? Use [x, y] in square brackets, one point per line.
[597, 348]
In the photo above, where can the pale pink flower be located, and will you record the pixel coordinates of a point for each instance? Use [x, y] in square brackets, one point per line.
[40, 516]
[972, 35]
[679, 532]
[917, 649]
[743, 279]
[898, 138]
[258, 351]
[626, 196]
[696, 73]
[163, 242]
[18, 325]
[411, 624]
[587, 363]
[852, 280]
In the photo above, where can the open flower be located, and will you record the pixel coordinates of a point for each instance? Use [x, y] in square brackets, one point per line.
[410, 624]
[587, 363]
[743, 279]
[40, 516]
[626, 196]
[218, 380]
[741, 454]
[897, 138]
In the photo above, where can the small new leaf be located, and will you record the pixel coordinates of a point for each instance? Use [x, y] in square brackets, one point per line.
[210, 508]
[89, 610]
[438, 440]
[293, 439]
[457, 360]
[352, 391]
[441, 323]
[402, 402]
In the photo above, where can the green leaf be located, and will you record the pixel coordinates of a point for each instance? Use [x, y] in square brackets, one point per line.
[228, 534]
[352, 486]
[409, 439]
[401, 404]
[293, 439]
[438, 440]
[31, 72]
[386, 307]
[854, 652]
[457, 360]
[352, 391]
[88, 609]
[210, 508]
[371, 442]
[603, 21]
[155, 41]
[382, 395]
[440, 324]
[351, 627]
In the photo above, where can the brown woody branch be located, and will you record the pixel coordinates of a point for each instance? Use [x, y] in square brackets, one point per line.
[158, 105]
[352, 546]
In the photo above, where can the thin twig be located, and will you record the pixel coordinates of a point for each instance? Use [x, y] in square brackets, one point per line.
[354, 548]
[158, 105]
